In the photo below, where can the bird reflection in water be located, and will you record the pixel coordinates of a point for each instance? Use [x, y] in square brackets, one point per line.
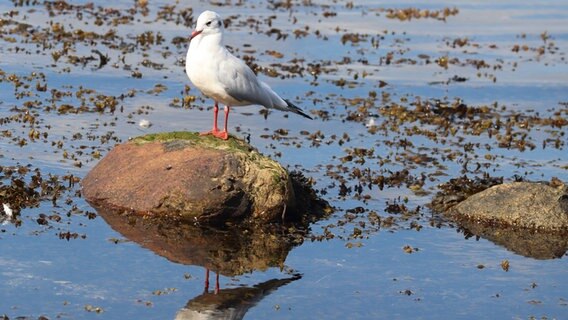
[206, 290]
[231, 303]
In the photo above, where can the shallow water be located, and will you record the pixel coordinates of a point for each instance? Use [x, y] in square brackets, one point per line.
[449, 276]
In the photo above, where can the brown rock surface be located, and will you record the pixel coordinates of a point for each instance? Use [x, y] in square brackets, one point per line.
[183, 175]
[518, 204]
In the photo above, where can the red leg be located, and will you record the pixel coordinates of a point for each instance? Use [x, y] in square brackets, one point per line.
[215, 131]
[216, 283]
[224, 134]
[206, 281]
[227, 110]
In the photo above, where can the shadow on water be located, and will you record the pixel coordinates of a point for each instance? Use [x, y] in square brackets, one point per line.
[528, 243]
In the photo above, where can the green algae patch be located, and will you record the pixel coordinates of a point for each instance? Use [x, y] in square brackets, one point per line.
[178, 139]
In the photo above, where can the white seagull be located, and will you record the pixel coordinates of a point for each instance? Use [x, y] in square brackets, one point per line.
[223, 77]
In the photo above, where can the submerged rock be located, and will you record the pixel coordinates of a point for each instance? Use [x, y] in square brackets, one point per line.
[536, 206]
[193, 178]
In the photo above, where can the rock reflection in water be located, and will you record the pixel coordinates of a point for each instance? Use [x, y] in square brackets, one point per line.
[230, 251]
[528, 243]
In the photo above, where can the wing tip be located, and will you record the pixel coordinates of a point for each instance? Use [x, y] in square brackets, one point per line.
[293, 108]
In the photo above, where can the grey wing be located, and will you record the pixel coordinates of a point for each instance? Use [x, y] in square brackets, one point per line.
[241, 83]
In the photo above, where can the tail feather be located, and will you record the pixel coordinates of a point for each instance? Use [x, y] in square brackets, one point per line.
[275, 101]
[293, 108]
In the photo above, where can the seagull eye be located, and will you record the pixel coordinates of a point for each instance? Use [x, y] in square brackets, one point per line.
[208, 24]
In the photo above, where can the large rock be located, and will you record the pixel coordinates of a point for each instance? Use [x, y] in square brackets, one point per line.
[520, 204]
[194, 178]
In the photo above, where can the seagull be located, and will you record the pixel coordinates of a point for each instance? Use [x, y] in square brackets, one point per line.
[223, 77]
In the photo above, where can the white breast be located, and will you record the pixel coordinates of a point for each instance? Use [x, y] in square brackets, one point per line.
[202, 68]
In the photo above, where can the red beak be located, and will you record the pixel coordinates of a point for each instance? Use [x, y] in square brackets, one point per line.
[194, 34]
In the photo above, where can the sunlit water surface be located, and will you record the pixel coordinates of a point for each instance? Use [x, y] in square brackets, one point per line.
[449, 276]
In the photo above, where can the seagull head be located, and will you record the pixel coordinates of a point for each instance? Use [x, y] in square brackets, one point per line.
[209, 22]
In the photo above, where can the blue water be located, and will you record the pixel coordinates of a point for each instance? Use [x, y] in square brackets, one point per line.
[41, 274]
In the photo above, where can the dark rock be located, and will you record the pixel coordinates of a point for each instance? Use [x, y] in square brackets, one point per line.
[536, 206]
[194, 178]
[458, 189]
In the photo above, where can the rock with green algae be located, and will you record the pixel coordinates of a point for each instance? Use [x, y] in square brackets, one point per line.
[191, 177]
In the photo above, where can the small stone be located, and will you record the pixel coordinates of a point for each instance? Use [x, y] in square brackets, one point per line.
[144, 124]
[505, 265]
